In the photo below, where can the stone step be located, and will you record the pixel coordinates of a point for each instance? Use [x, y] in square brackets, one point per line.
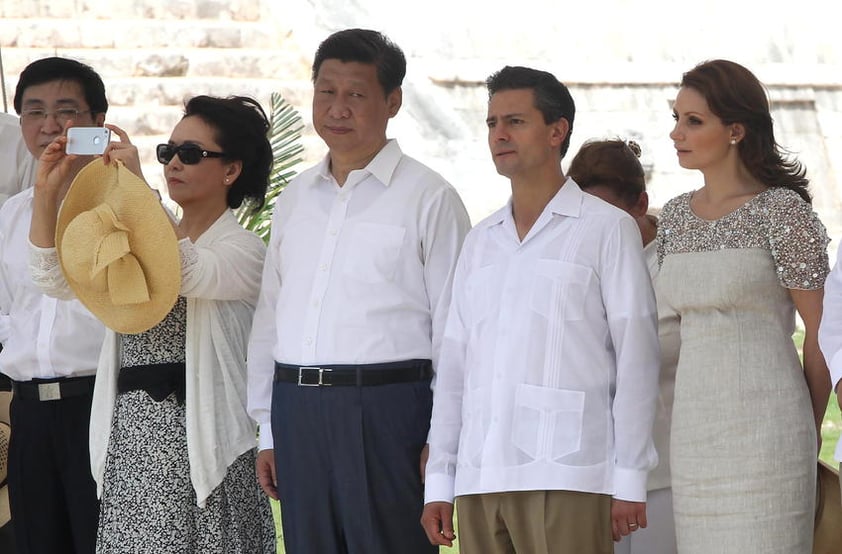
[239, 63]
[137, 33]
[240, 10]
[132, 91]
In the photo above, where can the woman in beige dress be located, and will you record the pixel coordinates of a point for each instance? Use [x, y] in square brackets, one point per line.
[738, 256]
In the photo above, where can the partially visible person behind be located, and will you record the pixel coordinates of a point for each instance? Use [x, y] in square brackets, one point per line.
[50, 347]
[547, 379]
[172, 447]
[611, 170]
[352, 308]
[17, 164]
[830, 333]
[738, 257]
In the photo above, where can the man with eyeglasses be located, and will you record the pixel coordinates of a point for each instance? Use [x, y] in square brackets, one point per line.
[51, 347]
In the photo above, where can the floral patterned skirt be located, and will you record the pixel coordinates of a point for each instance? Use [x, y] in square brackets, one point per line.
[148, 503]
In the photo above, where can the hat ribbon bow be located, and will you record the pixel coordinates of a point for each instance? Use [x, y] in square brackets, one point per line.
[125, 278]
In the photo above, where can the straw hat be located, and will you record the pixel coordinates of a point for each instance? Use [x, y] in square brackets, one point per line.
[827, 538]
[117, 248]
[5, 433]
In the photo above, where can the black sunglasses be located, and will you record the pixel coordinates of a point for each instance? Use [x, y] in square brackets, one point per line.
[189, 154]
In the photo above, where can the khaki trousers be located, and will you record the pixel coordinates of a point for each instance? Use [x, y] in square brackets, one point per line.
[535, 522]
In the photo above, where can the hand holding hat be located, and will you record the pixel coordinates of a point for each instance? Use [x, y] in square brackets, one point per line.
[117, 248]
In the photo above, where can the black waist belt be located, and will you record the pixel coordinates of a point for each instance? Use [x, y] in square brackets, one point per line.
[361, 375]
[158, 380]
[54, 389]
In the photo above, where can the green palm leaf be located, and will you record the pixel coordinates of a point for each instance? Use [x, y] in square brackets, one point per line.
[285, 139]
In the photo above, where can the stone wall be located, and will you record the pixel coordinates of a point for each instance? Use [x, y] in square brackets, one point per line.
[623, 71]
[154, 54]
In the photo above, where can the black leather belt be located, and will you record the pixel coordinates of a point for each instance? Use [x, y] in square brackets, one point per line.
[53, 389]
[361, 375]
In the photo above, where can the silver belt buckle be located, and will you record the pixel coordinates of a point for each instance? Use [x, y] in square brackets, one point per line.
[49, 391]
[320, 383]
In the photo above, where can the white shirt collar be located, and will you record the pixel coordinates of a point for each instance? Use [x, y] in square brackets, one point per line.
[382, 167]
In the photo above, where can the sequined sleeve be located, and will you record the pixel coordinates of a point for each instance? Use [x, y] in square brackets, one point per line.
[798, 241]
[666, 220]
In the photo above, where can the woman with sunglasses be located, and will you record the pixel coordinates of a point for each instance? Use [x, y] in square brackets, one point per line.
[175, 467]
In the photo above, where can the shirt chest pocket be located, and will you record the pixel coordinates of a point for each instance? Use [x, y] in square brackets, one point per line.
[373, 252]
[560, 289]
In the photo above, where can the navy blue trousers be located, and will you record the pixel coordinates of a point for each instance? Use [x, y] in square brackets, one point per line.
[52, 493]
[347, 461]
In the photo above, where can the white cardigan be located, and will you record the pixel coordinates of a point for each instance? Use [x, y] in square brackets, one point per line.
[220, 280]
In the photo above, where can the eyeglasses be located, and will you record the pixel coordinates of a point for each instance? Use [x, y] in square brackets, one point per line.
[189, 154]
[62, 115]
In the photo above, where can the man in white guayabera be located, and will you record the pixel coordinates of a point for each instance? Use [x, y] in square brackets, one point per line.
[547, 378]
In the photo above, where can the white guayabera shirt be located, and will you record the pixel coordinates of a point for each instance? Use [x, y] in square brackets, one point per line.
[548, 374]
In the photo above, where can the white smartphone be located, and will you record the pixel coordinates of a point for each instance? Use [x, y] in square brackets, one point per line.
[87, 141]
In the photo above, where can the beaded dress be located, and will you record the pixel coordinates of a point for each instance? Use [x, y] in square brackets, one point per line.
[743, 441]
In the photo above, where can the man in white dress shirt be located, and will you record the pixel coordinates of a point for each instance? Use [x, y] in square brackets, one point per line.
[50, 347]
[352, 306]
[547, 377]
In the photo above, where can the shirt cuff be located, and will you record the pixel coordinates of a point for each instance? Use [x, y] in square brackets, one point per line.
[438, 488]
[630, 484]
[265, 441]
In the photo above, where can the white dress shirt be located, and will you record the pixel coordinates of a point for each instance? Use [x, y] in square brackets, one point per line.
[220, 277]
[42, 337]
[830, 329]
[355, 274]
[548, 373]
[17, 166]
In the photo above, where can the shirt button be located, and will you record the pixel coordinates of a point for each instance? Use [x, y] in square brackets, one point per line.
[323, 267]
[308, 341]
[333, 232]
[316, 302]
